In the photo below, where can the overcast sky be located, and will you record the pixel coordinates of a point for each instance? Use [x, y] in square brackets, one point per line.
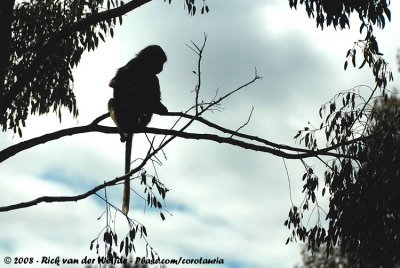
[226, 202]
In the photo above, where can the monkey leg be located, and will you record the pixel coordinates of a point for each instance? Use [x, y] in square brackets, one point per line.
[113, 113]
[127, 188]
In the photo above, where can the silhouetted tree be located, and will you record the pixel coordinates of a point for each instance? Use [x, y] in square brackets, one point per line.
[363, 185]
[364, 215]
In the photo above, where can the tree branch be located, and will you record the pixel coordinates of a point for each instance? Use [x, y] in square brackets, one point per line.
[269, 143]
[245, 145]
[92, 127]
[300, 153]
[51, 199]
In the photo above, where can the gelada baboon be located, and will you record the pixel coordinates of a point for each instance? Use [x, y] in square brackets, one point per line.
[136, 97]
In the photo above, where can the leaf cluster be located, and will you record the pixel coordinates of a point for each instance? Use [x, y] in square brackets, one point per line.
[34, 24]
[151, 199]
[371, 13]
[371, 55]
[337, 13]
[126, 244]
[191, 7]
[315, 235]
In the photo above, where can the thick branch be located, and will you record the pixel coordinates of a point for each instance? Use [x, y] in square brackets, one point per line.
[245, 145]
[237, 134]
[48, 47]
[93, 127]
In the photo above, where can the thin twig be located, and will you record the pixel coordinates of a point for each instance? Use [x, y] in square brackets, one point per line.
[247, 122]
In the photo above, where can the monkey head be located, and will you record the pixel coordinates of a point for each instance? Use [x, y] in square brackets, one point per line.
[152, 59]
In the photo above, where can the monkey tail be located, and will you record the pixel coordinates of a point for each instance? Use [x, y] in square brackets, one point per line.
[127, 188]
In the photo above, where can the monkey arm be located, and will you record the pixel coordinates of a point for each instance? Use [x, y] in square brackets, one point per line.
[159, 108]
